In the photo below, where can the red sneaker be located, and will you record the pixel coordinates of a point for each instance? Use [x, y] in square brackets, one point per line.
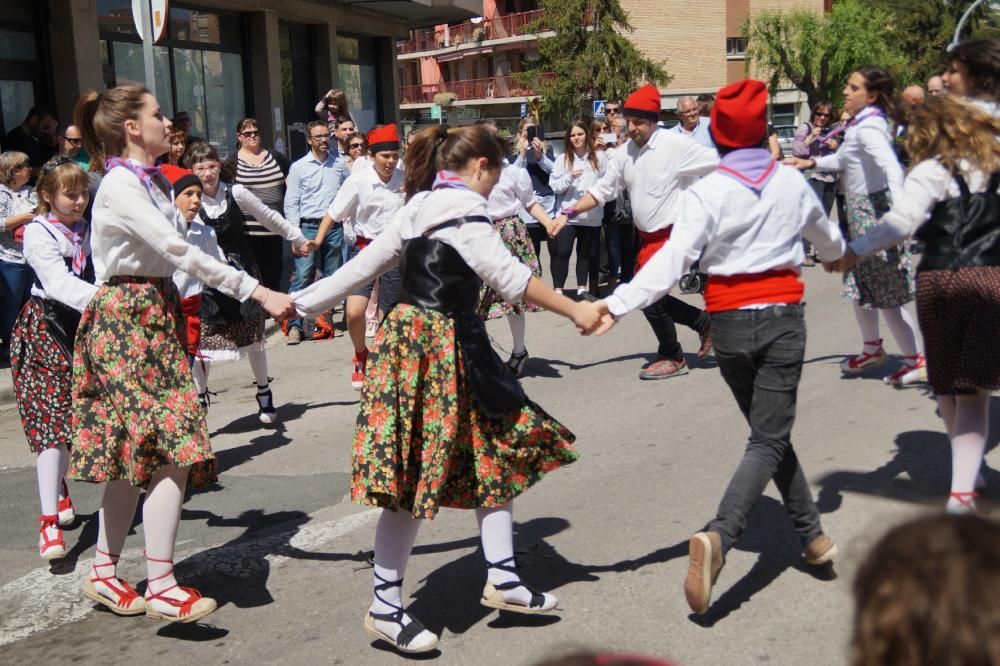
[358, 376]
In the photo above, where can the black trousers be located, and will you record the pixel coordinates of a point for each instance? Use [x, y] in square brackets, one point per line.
[267, 250]
[661, 316]
[760, 356]
[587, 243]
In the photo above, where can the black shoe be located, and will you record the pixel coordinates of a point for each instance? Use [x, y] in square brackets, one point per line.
[587, 296]
[516, 363]
[267, 413]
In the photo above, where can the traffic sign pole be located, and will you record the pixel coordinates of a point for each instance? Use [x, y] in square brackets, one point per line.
[147, 45]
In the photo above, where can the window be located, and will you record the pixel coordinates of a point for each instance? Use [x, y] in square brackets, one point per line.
[198, 66]
[356, 72]
[782, 114]
[736, 46]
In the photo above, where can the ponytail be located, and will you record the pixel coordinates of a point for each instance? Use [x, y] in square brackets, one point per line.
[101, 119]
[435, 148]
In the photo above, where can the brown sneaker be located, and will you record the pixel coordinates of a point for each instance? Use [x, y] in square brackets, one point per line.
[706, 342]
[820, 550]
[664, 368]
[704, 564]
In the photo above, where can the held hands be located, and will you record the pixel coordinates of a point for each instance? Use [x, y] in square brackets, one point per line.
[848, 261]
[306, 248]
[799, 163]
[593, 318]
[278, 305]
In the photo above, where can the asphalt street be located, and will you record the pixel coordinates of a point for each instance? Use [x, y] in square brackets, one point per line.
[281, 547]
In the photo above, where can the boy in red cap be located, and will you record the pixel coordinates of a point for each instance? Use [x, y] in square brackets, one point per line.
[371, 196]
[746, 221]
[655, 167]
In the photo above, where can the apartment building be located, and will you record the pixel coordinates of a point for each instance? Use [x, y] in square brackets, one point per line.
[474, 60]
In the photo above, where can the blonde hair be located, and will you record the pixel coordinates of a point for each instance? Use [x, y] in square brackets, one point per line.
[9, 161]
[60, 174]
[950, 129]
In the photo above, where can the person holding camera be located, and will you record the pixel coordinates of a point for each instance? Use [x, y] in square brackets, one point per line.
[330, 108]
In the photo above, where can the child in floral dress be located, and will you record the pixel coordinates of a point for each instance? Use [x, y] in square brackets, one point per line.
[443, 422]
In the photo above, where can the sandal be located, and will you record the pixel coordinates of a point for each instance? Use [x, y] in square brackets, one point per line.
[966, 503]
[857, 364]
[50, 549]
[266, 411]
[160, 607]
[412, 638]
[541, 602]
[516, 363]
[126, 601]
[914, 370]
[66, 512]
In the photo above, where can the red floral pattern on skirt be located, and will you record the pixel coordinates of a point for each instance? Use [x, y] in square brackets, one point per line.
[135, 408]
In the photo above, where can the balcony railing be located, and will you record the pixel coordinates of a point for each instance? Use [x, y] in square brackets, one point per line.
[508, 25]
[468, 89]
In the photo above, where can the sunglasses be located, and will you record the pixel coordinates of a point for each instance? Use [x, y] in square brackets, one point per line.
[820, 114]
[356, 145]
[612, 109]
[250, 134]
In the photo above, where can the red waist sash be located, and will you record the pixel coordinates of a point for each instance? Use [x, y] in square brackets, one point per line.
[651, 242]
[732, 292]
[191, 308]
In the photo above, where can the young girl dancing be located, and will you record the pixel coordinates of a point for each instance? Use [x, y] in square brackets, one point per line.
[56, 247]
[136, 418]
[950, 202]
[443, 421]
[231, 328]
[873, 181]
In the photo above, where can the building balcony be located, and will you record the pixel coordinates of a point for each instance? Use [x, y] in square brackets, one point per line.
[508, 27]
[488, 90]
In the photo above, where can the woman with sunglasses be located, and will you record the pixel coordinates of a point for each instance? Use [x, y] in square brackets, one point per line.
[813, 140]
[17, 208]
[263, 173]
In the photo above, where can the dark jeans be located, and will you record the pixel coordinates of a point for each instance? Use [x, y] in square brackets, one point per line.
[760, 356]
[662, 314]
[845, 229]
[587, 242]
[269, 253]
[622, 245]
[15, 290]
[826, 193]
[327, 258]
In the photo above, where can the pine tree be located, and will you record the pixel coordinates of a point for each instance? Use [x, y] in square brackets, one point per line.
[589, 57]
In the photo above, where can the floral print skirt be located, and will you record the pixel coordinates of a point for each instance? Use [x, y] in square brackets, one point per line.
[135, 408]
[515, 237]
[43, 380]
[886, 278]
[421, 443]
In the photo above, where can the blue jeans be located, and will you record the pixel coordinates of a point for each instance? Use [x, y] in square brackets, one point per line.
[16, 290]
[327, 258]
[760, 356]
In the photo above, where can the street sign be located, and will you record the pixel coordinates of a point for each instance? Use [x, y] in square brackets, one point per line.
[436, 111]
[599, 108]
[524, 109]
[157, 12]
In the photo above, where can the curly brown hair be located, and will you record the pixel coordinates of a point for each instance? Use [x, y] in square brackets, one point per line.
[926, 595]
[950, 128]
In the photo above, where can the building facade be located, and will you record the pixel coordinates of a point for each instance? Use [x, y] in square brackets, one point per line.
[219, 60]
[699, 40]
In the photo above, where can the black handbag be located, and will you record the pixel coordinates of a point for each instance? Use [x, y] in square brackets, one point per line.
[497, 390]
[61, 321]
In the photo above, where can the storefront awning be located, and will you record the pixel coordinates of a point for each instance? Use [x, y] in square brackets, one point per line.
[423, 13]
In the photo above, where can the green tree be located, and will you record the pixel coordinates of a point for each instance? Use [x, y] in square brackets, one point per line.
[817, 52]
[588, 57]
[922, 29]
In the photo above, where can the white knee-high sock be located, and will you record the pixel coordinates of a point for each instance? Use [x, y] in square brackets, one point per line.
[968, 442]
[517, 325]
[868, 323]
[161, 514]
[258, 363]
[496, 530]
[394, 537]
[901, 324]
[199, 371]
[114, 520]
[50, 469]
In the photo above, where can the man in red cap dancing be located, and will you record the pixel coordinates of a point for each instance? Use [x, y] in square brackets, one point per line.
[655, 166]
[746, 221]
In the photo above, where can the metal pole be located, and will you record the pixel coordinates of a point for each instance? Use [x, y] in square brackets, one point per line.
[961, 24]
[147, 45]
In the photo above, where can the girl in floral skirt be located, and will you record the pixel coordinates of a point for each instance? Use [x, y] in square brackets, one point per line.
[56, 247]
[136, 418]
[873, 180]
[443, 421]
[951, 202]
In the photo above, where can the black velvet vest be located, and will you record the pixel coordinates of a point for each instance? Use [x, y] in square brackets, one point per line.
[216, 307]
[435, 276]
[61, 320]
[963, 231]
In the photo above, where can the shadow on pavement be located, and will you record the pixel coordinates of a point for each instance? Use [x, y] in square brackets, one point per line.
[919, 470]
[288, 411]
[769, 533]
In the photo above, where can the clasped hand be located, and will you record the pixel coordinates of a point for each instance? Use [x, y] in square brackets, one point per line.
[593, 318]
[306, 248]
[846, 262]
